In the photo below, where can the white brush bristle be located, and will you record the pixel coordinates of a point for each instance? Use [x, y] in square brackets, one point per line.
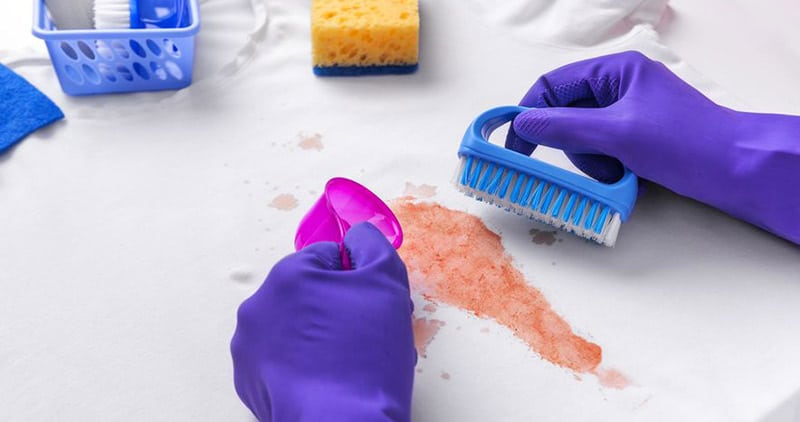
[112, 14]
[538, 199]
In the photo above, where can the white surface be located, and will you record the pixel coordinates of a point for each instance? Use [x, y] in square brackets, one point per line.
[132, 231]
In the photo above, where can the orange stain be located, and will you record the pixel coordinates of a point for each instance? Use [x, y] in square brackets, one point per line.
[420, 191]
[424, 332]
[284, 202]
[308, 142]
[452, 257]
[611, 378]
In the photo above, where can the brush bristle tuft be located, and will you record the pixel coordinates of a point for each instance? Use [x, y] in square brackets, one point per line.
[112, 14]
[539, 199]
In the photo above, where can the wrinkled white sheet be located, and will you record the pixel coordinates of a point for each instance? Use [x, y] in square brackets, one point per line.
[130, 232]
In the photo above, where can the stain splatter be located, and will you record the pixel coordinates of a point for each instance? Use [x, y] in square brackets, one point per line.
[424, 332]
[445, 376]
[544, 237]
[473, 272]
[419, 191]
[611, 378]
[309, 142]
[284, 202]
[429, 307]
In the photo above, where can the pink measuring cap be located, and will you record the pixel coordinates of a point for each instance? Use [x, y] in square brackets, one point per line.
[344, 204]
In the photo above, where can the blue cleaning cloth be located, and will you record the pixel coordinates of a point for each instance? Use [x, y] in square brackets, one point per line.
[23, 109]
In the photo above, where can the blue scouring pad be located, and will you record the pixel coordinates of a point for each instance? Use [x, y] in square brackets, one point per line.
[23, 109]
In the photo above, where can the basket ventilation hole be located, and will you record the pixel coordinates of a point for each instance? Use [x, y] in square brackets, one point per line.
[158, 71]
[103, 49]
[120, 49]
[68, 50]
[138, 49]
[86, 50]
[174, 70]
[106, 71]
[124, 73]
[141, 71]
[171, 48]
[91, 74]
[73, 74]
[154, 48]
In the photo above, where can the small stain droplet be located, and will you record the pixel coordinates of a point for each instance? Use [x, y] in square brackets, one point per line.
[284, 202]
[543, 237]
[310, 142]
[445, 376]
[429, 307]
[419, 191]
[424, 332]
[612, 378]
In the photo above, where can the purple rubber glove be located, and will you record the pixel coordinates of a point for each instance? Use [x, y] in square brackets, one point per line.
[316, 343]
[634, 109]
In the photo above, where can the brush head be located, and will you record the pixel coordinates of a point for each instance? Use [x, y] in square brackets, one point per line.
[539, 199]
[112, 14]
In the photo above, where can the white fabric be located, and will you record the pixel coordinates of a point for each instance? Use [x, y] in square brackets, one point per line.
[130, 232]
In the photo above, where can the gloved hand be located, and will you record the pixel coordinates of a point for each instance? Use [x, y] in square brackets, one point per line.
[316, 343]
[634, 109]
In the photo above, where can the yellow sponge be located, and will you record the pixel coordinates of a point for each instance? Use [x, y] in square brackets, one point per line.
[356, 37]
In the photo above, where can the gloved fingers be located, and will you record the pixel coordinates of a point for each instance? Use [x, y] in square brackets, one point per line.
[588, 137]
[582, 91]
[322, 255]
[367, 245]
[576, 130]
[370, 251]
[599, 167]
[588, 83]
[515, 143]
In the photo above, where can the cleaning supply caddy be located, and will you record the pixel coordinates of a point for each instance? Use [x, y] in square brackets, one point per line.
[100, 61]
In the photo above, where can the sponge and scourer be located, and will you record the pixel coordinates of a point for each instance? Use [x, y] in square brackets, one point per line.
[364, 37]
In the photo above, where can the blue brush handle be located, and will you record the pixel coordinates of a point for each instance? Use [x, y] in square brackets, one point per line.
[136, 20]
[620, 196]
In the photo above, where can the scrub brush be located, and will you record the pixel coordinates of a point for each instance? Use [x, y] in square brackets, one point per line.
[125, 14]
[541, 191]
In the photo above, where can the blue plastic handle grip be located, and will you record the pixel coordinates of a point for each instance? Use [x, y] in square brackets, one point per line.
[620, 195]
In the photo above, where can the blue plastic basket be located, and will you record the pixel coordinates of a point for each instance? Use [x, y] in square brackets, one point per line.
[120, 60]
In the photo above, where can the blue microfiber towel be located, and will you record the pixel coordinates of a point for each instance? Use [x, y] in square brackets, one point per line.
[23, 109]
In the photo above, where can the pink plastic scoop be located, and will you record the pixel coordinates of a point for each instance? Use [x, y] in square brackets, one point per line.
[344, 204]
